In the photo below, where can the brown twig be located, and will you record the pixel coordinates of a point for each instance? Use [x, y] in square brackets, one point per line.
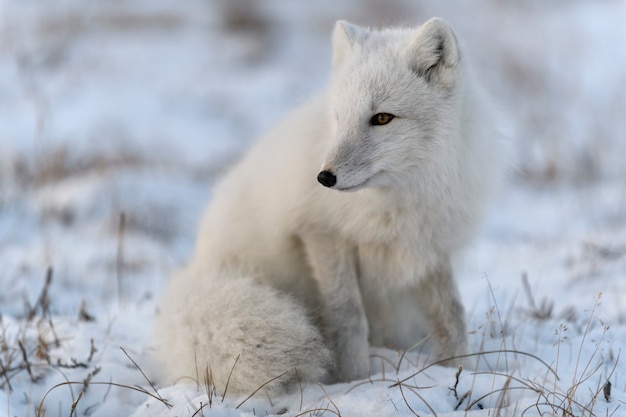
[199, 409]
[456, 382]
[92, 350]
[5, 373]
[75, 403]
[26, 362]
[42, 301]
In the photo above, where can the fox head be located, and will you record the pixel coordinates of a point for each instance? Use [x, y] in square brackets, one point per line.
[393, 102]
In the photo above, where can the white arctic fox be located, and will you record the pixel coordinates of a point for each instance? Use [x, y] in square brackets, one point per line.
[336, 229]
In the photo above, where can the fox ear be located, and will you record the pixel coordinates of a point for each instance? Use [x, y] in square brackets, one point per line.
[345, 36]
[434, 52]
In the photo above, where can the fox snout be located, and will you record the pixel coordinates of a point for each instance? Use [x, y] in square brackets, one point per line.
[348, 166]
[327, 178]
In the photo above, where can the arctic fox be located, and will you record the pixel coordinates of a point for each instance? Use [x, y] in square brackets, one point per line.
[335, 231]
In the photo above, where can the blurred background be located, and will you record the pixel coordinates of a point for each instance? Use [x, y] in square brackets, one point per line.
[89, 84]
[117, 116]
[134, 107]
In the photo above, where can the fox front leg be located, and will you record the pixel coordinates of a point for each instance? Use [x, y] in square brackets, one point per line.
[437, 297]
[342, 312]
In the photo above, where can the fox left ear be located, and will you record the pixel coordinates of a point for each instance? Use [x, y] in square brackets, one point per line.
[345, 36]
[434, 52]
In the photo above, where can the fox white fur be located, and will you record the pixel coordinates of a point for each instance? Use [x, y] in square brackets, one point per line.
[294, 279]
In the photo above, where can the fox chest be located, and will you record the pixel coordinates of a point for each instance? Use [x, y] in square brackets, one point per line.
[393, 266]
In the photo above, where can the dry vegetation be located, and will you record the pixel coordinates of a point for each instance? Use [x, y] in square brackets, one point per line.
[35, 350]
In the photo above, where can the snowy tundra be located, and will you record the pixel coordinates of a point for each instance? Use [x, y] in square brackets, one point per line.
[336, 230]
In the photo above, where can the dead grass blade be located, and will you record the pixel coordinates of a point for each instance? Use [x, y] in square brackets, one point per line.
[414, 391]
[43, 301]
[229, 375]
[487, 352]
[330, 399]
[260, 388]
[147, 379]
[75, 403]
[7, 380]
[41, 411]
[26, 361]
[200, 410]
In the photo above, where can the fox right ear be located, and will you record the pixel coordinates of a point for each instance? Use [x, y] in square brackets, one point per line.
[434, 52]
[345, 36]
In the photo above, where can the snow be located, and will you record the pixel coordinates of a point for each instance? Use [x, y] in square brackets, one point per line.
[116, 118]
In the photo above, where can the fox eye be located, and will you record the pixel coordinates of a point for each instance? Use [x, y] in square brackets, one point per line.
[380, 119]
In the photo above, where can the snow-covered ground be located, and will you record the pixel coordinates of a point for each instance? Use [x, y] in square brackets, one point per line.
[117, 117]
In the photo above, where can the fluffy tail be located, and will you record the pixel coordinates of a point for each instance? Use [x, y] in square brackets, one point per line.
[239, 332]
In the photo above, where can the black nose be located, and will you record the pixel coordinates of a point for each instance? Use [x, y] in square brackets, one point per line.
[327, 178]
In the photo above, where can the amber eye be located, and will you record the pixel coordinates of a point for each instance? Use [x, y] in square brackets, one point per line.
[380, 119]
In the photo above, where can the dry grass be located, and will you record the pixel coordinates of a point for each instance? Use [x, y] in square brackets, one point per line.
[31, 356]
[29, 352]
[88, 382]
[60, 162]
